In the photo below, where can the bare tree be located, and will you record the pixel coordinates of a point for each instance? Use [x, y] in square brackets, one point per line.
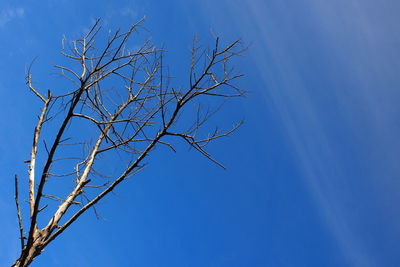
[121, 106]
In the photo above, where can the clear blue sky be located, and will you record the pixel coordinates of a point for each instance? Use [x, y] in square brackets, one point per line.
[313, 178]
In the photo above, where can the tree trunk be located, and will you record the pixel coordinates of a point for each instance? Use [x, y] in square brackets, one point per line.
[28, 254]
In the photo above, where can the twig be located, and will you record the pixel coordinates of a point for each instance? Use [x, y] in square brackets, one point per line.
[21, 229]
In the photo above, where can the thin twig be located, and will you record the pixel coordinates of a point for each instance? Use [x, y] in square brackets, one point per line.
[21, 229]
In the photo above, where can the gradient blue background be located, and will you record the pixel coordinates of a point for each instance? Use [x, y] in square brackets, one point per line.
[313, 177]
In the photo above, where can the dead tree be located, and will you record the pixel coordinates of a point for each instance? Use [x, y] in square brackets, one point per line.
[121, 105]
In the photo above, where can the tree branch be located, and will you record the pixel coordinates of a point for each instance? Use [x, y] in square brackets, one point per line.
[20, 224]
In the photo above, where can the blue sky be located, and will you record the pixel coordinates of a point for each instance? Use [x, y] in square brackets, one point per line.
[313, 176]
